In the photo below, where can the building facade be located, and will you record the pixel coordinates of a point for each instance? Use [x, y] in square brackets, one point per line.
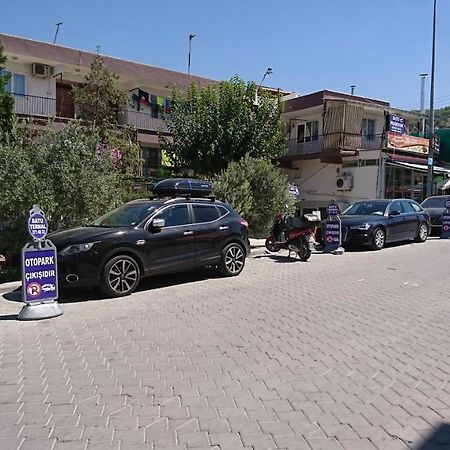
[42, 76]
[350, 148]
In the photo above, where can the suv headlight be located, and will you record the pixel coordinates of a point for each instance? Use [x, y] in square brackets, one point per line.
[363, 227]
[77, 248]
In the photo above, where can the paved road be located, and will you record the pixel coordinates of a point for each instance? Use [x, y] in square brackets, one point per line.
[347, 351]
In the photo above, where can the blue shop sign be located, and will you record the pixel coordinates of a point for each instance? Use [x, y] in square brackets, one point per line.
[396, 124]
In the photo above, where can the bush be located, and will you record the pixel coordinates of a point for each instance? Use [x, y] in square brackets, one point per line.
[256, 190]
[61, 171]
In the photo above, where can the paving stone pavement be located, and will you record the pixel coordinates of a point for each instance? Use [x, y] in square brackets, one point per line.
[342, 352]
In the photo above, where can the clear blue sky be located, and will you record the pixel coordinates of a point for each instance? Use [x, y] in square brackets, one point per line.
[379, 45]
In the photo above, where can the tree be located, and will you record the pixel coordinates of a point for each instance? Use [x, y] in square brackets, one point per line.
[7, 120]
[257, 190]
[62, 171]
[218, 124]
[100, 100]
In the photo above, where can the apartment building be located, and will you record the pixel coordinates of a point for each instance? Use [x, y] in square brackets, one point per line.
[348, 148]
[42, 76]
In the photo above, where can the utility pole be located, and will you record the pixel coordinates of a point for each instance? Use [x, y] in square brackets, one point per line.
[422, 103]
[191, 36]
[56, 32]
[431, 119]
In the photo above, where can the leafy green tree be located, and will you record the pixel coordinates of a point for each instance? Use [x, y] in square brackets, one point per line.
[63, 172]
[100, 100]
[218, 124]
[257, 190]
[7, 120]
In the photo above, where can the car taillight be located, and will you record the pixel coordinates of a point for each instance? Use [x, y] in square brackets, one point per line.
[243, 222]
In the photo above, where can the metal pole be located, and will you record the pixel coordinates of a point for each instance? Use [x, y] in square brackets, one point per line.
[352, 89]
[431, 118]
[191, 36]
[56, 32]
[422, 103]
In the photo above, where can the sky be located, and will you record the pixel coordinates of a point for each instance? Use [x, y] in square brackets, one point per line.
[381, 46]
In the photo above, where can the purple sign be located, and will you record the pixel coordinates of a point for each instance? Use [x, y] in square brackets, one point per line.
[396, 124]
[446, 221]
[447, 204]
[333, 233]
[332, 209]
[37, 225]
[39, 274]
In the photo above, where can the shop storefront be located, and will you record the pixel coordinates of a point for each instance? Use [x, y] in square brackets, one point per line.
[407, 180]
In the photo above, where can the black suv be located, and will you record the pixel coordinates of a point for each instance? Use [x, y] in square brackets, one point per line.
[149, 237]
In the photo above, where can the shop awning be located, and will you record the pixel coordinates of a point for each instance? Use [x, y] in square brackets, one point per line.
[418, 167]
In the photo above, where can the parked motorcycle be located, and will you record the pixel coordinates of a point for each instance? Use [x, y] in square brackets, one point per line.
[293, 234]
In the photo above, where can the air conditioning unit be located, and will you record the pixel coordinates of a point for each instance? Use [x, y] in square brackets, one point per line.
[344, 182]
[41, 70]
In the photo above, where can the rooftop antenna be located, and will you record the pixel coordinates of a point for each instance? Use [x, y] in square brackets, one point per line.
[352, 87]
[56, 32]
[97, 49]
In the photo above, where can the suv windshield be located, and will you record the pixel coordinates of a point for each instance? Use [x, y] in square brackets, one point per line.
[127, 215]
[434, 202]
[366, 208]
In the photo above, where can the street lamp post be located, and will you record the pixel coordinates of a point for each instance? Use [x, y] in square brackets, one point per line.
[422, 103]
[269, 71]
[191, 36]
[431, 118]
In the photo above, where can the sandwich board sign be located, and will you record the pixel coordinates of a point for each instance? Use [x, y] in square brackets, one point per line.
[333, 240]
[39, 271]
[445, 232]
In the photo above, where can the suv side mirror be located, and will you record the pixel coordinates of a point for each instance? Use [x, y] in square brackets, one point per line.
[158, 223]
[394, 213]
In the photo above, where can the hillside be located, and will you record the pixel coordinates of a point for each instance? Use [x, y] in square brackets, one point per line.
[442, 117]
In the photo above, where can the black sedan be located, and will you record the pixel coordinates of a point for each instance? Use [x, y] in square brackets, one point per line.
[149, 237]
[377, 222]
[435, 206]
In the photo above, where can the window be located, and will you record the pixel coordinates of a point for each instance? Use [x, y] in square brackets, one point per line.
[175, 215]
[368, 129]
[222, 211]
[205, 213]
[16, 83]
[416, 207]
[308, 131]
[407, 207]
[396, 206]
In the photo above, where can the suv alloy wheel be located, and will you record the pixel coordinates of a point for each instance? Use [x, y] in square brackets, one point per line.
[120, 276]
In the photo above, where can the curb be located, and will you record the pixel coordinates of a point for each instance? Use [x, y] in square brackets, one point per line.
[9, 287]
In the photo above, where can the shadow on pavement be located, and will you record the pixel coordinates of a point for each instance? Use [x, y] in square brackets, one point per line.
[146, 284]
[439, 439]
[9, 317]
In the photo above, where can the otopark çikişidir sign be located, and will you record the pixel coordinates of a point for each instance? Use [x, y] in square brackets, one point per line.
[39, 271]
[333, 233]
[445, 232]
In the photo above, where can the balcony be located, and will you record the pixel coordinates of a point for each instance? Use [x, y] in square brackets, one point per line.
[31, 105]
[317, 146]
[142, 121]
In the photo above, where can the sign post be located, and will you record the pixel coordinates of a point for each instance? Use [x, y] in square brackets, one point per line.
[39, 271]
[445, 231]
[333, 232]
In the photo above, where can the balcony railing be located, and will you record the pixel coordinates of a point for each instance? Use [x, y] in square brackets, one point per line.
[141, 120]
[34, 106]
[304, 148]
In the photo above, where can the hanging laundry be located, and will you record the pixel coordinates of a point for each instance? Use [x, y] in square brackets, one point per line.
[143, 96]
[153, 99]
[167, 105]
[160, 101]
